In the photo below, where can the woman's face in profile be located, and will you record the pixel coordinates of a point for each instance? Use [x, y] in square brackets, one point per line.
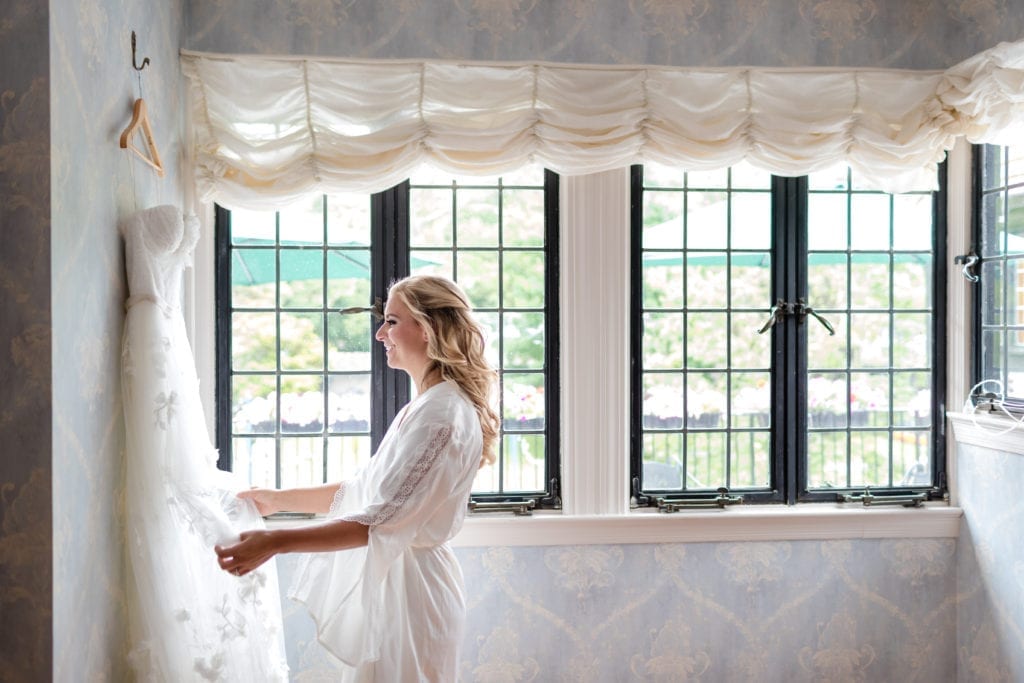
[404, 339]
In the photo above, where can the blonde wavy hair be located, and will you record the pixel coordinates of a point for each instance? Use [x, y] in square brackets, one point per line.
[455, 345]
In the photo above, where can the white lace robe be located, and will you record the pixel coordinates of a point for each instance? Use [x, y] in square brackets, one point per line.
[395, 610]
[188, 620]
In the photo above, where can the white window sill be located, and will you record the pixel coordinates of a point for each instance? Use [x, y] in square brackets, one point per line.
[993, 431]
[806, 522]
[811, 521]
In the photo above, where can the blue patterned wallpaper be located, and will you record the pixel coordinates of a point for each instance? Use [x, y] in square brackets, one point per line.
[781, 611]
[95, 184]
[990, 566]
[916, 34]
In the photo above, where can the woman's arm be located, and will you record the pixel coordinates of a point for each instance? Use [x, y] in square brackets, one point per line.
[256, 547]
[315, 499]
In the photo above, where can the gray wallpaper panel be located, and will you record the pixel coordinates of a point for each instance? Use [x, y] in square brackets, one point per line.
[25, 342]
[917, 34]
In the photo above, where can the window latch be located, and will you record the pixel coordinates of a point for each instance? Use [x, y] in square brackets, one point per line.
[783, 308]
[517, 507]
[868, 499]
[803, 310]
[723, 498]
[970, 260]
[779, 311]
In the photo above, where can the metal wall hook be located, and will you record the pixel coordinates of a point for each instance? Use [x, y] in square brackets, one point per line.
[145, 60]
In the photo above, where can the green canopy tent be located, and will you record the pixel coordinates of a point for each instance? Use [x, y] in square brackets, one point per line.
[255, 262]
[762, 259]
[749, 232]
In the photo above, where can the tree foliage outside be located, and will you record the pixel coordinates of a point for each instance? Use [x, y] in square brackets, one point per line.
[502, 271]
[707, 291]
[707, 379]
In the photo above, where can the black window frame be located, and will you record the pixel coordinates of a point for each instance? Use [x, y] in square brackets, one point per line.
[389, 257]
[789, 435]
[982, 230]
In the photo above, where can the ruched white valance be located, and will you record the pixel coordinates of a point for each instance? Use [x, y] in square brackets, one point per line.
[269, 130]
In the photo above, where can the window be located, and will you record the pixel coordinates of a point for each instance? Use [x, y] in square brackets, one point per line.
[787, 337]
[999, 226]
[304, 393]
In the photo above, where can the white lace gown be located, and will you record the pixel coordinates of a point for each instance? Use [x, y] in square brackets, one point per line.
[394, 611]
[188, 620]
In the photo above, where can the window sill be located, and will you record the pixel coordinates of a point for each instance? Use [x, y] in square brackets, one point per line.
[995, 432]
[812, 521]
[807, 522]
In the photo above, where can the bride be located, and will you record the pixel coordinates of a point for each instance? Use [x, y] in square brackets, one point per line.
[390, 607]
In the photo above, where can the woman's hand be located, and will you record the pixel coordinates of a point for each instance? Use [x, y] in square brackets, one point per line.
[267, 501]
[315, 499]
[253, 549]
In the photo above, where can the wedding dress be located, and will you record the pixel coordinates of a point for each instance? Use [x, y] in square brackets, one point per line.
[188, 620]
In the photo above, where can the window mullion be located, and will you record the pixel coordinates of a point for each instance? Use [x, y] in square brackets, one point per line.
[552, 349]
[389, 216]
[594, 339]
[797, 330]
[940, 371]
[789, 369]
[222, 327]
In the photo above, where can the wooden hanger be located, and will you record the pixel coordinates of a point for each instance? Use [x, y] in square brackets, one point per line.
[140, 118]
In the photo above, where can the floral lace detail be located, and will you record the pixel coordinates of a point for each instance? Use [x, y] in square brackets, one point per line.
[336, 501]
[166, 407]
[426, 459]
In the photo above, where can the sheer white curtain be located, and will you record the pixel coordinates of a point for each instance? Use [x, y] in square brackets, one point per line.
[268, 130]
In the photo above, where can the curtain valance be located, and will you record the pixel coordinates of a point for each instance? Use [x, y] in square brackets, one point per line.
[269, 130]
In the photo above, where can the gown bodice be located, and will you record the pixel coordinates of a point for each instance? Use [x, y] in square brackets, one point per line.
[159, 243]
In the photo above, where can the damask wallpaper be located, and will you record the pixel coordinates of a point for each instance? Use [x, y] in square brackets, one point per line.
[990, 566]
[917, 609]
[757, 611]
[95, 185]
[26, 600]
[914, 34]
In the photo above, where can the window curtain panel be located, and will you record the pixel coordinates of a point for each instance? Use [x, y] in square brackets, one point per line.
[267, 131]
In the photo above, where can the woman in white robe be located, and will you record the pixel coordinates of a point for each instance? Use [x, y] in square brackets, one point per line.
[391, 606]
